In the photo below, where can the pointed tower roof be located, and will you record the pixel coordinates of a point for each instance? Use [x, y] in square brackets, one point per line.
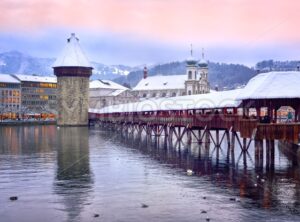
[202, 62]
[191, 60]
[72, 55]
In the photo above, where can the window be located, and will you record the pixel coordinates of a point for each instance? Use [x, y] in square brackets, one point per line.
[164, 94]
[190, 93]
[190, 74]
[174, 94]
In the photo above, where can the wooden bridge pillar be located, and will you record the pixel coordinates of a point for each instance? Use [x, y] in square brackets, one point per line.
[218, 138]
[259, 157]
[199, 136]
[233, 134]
[244, 148]
[270, 154]
[166, 132]
[207, 136]
[228, 139]
[189, 136]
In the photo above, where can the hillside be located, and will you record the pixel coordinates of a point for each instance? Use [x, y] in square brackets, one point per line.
[15, 62]
[223, 75]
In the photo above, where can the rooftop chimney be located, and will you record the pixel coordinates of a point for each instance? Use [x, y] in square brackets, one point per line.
[145, 72]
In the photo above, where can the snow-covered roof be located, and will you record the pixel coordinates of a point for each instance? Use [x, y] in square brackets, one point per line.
[117, 92]
[32, 78]
[106, 84]
[272, 85]
[72, 55]
[5, 78]
[213, 100]
[161, 82]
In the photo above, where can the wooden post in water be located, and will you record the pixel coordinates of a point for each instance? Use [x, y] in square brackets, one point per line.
[189, 136]
[228, 139]
[207, 136]
[272, 154]
[267, 155]
[233, 134]
[258, 154]
[244, 148]
[217, 138]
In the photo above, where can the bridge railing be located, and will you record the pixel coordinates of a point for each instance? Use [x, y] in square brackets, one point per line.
[211, 121]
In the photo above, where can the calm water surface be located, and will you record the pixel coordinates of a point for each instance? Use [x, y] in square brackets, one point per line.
[71, 174]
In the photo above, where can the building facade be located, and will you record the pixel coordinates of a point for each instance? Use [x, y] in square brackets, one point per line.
[73, 70]
[106, 93]
[38, 94]
[194, 81]
[10, 97]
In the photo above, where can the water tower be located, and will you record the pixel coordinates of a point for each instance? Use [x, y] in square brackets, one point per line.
[73, 71]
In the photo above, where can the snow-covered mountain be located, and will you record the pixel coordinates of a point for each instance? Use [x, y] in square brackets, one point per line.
[15, 62]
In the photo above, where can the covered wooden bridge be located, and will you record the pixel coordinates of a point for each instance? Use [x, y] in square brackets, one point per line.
[227, 113]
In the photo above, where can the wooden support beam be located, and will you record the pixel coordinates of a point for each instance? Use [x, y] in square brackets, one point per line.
[217, 138]
[233, 134]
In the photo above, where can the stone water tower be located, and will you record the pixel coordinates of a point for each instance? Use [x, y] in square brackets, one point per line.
[73, 70]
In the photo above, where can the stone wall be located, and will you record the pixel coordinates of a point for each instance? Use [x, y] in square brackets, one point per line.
[72, 100]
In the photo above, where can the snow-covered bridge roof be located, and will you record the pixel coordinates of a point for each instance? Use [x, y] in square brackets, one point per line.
[272, 85]
[212, 100]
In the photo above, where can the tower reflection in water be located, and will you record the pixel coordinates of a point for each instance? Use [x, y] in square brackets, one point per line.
[73, 179]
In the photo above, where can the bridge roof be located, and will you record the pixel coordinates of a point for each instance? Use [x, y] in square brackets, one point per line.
[272, 85]
[212, 100]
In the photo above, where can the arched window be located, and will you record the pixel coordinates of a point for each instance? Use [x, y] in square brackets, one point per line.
[190, 74]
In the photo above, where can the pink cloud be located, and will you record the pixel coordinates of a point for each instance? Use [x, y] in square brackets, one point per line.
[206, 21]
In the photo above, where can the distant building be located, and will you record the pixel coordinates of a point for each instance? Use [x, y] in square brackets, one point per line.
[38, 94]
[10, 96]
[195, 81]
[106, 93]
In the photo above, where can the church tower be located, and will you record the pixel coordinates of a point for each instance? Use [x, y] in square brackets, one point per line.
[73, 70]
[191, 84]
[203, 72]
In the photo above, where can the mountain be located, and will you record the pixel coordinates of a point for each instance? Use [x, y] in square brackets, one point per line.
[223, 75]
[220, 74]
[15, 62]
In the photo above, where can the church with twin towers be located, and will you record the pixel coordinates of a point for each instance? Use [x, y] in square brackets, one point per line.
[194, 81]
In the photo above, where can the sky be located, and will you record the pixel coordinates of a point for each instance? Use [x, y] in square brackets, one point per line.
[135, 32]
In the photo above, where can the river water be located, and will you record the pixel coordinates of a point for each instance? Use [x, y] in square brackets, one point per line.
[82, 174]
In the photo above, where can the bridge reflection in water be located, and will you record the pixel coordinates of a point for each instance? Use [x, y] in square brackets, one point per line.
[270, 177]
